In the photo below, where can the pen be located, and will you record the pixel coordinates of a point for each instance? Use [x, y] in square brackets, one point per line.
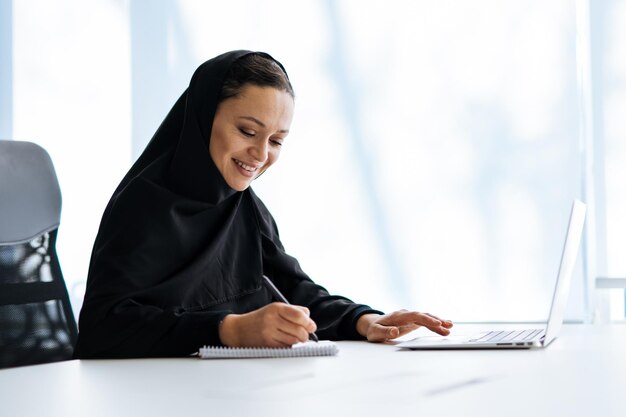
[277, 294]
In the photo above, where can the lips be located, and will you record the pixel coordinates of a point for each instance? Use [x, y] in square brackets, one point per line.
[248, 171]
[246, 167]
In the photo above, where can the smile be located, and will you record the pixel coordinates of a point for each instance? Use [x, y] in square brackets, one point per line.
[244, 166]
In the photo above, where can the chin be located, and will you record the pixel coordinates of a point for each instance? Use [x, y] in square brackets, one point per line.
[239, 187]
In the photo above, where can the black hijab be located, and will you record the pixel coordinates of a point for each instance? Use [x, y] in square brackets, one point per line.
[178, 249]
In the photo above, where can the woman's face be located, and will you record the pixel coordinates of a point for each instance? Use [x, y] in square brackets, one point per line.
[248, 132]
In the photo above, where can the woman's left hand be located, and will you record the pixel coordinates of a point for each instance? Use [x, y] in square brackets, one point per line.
[377, 328]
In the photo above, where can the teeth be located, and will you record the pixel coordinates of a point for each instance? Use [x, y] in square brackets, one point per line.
[244, 166]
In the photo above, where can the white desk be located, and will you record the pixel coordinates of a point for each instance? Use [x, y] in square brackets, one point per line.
[572, 377]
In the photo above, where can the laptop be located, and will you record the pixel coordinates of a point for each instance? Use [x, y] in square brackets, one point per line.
[522, 338]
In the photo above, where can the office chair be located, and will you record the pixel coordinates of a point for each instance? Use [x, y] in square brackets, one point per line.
[36, 320]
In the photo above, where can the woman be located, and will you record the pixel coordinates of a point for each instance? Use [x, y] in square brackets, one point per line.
[184, 241]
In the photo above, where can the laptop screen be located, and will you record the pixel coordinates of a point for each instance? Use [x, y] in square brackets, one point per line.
[566, 267]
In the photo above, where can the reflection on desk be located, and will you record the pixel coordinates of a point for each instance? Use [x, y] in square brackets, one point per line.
[582, 373]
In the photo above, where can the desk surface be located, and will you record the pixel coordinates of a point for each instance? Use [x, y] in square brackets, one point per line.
[582, 373]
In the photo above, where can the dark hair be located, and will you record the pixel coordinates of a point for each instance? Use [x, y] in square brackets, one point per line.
[255, 69]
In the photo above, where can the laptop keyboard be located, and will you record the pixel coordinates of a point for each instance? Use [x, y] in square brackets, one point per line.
[508, 335]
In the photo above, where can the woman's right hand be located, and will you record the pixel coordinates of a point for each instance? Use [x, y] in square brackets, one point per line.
[275, 325]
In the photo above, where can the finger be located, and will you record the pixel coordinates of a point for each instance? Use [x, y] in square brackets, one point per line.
[289, 339]
[443, 331]
[311, 326]
[304, 310]
[403, 317]
[297, 315]
[431, 322]
[281, 321]
[299, 333]
[445, 323]
[276, 342]
[440, 330]
[380, 333]
[276, 331]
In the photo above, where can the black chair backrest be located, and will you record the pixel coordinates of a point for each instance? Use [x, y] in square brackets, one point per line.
[36, 320]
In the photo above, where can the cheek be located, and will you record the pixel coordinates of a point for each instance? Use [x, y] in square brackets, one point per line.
[273, 156]
[218, 146]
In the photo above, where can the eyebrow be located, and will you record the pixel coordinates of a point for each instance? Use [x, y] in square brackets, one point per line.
[260, 123]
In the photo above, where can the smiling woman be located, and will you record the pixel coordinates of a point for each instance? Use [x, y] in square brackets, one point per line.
[254, 113]
[248, 131]
[184, 241]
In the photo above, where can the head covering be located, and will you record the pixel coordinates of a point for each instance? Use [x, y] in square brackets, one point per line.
[185, 133]
[177, 248]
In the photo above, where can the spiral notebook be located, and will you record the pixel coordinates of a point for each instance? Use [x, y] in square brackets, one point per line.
[321, 348]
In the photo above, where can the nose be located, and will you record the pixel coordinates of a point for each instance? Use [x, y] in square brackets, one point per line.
[260, 150]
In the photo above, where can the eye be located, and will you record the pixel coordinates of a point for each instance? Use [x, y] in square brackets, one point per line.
[246, 132]
[275, 142]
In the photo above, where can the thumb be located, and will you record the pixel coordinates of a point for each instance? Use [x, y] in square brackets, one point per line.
[379, 333]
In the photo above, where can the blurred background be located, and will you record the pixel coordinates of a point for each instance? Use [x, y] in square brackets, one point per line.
[434, 154]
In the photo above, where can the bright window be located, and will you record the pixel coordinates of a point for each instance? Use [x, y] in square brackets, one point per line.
[434, 153]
